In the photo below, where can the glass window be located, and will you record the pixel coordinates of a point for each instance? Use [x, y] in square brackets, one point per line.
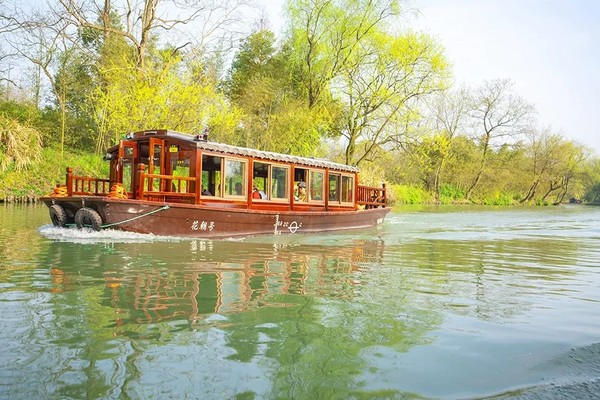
[180, 167]
[235, 178]
[211, 175]
[316, 185]
[155, 168]
[260, 177]
[347, 189]
[334, 188]
[279, 182]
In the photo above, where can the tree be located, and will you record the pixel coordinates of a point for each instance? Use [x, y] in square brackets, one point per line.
[498, 113]
[43, 40]
[569, 166]
[139, 23]
[543, 154]
[326, 34]
[275, 117]
[256, 59]
[166, 95]
[382, 88]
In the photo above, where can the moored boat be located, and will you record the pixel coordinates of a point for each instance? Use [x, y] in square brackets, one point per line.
[169, 183]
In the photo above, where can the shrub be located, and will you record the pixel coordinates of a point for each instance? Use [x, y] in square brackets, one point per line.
[408, 194]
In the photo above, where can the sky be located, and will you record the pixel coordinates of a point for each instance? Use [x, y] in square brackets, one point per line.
[550, 49]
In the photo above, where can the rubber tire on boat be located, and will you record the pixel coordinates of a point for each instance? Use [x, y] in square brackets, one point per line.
[58, 215]
[88, 217]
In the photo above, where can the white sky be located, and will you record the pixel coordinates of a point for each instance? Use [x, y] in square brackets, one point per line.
[550, 49]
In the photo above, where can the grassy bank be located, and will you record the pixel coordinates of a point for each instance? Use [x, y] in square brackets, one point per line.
[43, 175]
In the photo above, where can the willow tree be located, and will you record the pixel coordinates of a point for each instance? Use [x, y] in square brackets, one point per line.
[166, 95]
[382, 88]
[326, 34]
[348, 55]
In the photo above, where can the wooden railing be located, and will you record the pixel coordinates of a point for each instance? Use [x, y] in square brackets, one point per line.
[83, 185]
[371, 197]
[165, 187]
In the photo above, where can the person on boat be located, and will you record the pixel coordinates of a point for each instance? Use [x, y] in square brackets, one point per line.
[205, 192]
[238, 189]
[258, 194]
[301, 192]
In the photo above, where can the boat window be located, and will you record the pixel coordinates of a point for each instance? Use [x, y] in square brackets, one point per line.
[235, 178]
[334, 188]
[211, 175]
[260, 177]
[155, 162]
[347, 189]
[300, 175]
[279, 182]
[316, 185]
[180, 162]
[127, 164]
[271, 181]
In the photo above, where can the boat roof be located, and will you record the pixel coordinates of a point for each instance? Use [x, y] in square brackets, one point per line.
[243, 151]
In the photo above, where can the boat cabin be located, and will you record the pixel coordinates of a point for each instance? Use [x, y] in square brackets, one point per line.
[167, 166]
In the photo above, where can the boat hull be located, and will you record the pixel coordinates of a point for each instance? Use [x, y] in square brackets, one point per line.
[206, 221]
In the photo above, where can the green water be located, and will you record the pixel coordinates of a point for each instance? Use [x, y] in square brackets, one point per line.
[435, 303]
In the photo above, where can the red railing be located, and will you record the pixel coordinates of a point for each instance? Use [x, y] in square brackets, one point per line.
[371, 197]
[83, 185]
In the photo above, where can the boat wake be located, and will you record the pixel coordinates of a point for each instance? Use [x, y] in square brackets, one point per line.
[87, 235]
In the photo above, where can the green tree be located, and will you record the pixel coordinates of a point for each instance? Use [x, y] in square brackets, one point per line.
[383, 86]
[274, 116]
[165, 95]
[326, 34]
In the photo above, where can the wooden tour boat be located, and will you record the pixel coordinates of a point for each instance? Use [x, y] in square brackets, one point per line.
[168, 183]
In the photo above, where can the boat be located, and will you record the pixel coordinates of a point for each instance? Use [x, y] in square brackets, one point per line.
[164, 182]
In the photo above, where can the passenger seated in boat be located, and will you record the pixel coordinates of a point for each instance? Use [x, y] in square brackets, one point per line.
[238, 189]
[258, 194]
[301, 192]
[205, 192]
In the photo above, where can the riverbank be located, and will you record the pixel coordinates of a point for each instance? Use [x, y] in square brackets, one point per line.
[27, 185]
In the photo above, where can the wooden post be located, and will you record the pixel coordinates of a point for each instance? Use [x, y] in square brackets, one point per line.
[139, 192]
[69, 181]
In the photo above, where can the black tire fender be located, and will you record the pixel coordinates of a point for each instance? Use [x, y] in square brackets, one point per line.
[58, 216]
[88, 217]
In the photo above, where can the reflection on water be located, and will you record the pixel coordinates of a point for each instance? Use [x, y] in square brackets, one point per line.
[156, 281]
[446, 303]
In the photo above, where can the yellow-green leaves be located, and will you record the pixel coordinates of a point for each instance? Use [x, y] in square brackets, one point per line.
[20, 145]
[166, 95]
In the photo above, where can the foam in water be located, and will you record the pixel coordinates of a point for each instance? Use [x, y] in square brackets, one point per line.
[87, 235]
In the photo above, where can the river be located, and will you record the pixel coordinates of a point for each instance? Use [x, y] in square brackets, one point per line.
[448, 303]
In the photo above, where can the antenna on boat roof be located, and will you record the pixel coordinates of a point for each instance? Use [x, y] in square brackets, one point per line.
[202, 137]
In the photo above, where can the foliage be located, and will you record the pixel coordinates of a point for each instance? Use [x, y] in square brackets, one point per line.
[451, 194]
[499, 199]
[41, 177]
[345, 52]
[593, 194]
[405, 194]
[20, 145]
[274, 117]
[166, 95]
